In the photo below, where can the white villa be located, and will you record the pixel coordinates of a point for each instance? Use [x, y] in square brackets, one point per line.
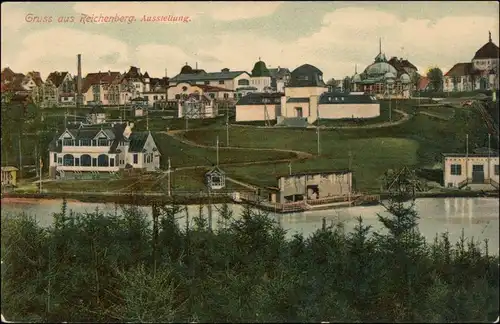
[90, 151]
[479, 74]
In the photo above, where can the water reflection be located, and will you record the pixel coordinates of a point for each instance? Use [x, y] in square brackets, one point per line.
[477, 216]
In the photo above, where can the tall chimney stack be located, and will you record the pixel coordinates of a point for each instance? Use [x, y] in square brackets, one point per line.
[79, 100]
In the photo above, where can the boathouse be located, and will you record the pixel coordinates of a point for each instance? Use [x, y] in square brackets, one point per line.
[9, 176]
[215, 179]
[462, 170]
[312, 186]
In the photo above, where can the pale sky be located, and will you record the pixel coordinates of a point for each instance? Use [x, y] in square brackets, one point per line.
[333, 36]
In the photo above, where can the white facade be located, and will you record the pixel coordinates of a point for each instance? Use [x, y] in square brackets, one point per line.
[257, 112]
[93, 155]
[263, 84]
[340, 111]
[460, 170]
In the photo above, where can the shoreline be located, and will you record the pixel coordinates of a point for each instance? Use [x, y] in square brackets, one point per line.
[195, 199]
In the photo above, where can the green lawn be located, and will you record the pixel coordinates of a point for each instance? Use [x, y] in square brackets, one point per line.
[182, 155]
[367, 164]
[443, 111]
[418, 142]
[181, 181]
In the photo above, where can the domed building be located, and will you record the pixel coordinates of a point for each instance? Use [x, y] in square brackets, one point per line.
[305, 101]
[479, 74]
[261, 77]
[385, 78]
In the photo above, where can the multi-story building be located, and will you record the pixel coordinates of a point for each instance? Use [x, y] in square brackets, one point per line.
[226, 79]
[59, 90]
[479, 74]
[85, 152]
[99, 88]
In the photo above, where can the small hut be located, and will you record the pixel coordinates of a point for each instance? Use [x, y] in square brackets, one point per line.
[215, 179]
[9, 176]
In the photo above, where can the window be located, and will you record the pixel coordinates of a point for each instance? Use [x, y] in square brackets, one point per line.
[55, 158]
[68, 142]
[226, 96]
[77, 161]
[103, 142]
[212, 95]
[144, 156]
[162, 97]
[112, 162]
[243, 82]
[221, 81]
[94, 161]
[85, 142]
[136, 158]
[456, 169]
[207, 82]
[59, 161]
[94, 143]
[496, 169]
[155, 97]
[177, 96]
[184, 88]
[146, 98]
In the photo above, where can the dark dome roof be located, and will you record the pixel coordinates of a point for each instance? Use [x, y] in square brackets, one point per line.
[260, 70]
[489, 50]
[186, 69]
[306, 75]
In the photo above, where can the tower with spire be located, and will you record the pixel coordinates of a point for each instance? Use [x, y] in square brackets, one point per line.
[381, 56]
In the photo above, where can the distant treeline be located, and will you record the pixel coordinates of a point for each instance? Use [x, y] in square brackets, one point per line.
[117, 268]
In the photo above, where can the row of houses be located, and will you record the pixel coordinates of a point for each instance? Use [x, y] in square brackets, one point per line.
[113, 88]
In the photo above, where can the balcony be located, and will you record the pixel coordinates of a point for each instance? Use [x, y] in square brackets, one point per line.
[87, 168]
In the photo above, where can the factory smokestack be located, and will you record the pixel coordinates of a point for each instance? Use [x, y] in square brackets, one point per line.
[79, 82]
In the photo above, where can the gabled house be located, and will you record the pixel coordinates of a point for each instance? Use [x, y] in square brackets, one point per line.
[139, 81]
[158, 92]
[97, 88]
[90, 151]
[33, 83]
[59, 89]
[197, 106]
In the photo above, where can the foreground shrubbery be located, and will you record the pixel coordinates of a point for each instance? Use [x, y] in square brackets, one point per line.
[112, 268]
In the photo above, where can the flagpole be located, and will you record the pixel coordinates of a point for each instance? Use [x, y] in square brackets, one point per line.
[41, 167]
[217, 150]
[489, 157]
[467, 157]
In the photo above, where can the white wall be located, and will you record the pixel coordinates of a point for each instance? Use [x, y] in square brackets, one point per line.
[456, 179]
[339, 111]
[255, 112]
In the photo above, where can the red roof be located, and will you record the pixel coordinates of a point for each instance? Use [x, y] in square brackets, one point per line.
[460, 69]
[423, 83]
[7, 74]
[99, 78]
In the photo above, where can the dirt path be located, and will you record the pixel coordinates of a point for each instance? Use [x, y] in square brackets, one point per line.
[404, 119]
